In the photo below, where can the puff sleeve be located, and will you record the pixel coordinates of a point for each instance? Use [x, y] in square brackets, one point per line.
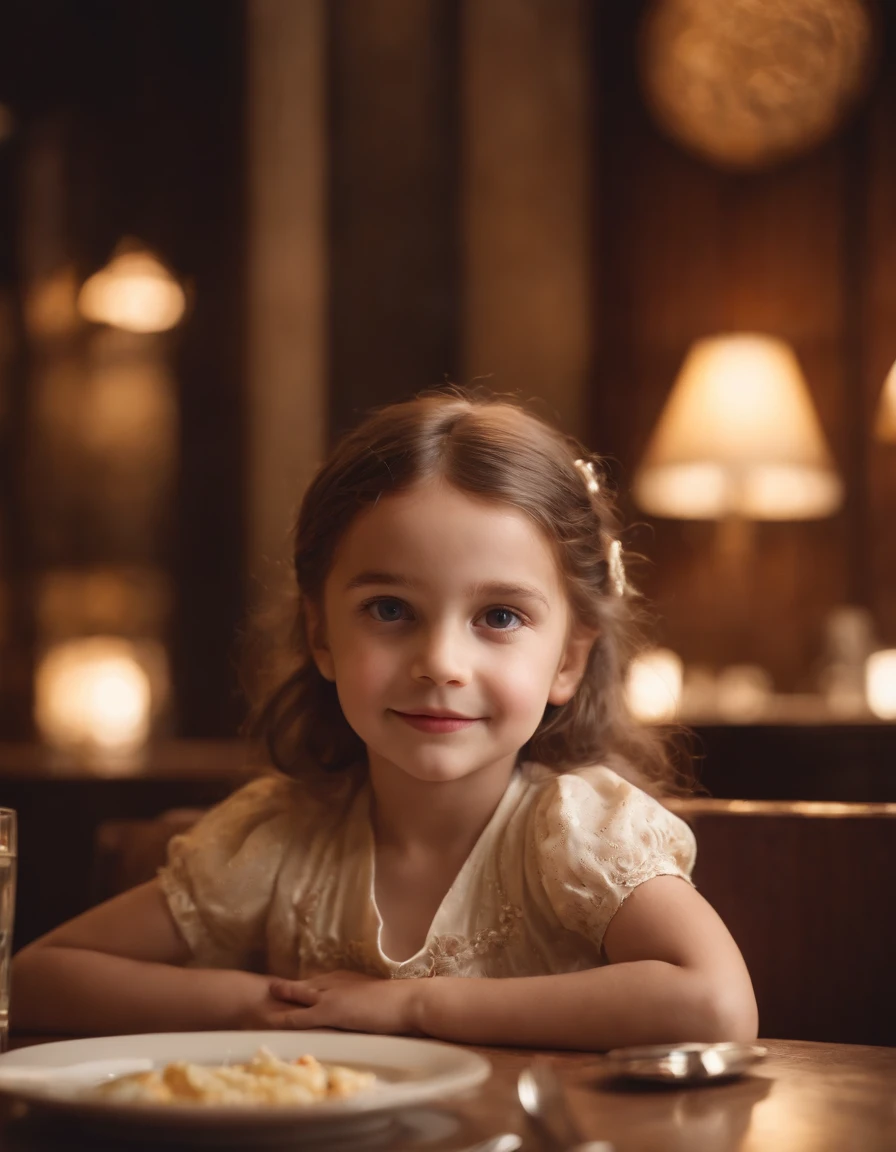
[221, 875]
[597, 837]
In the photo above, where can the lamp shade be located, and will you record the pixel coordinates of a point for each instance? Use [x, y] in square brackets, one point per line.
[885, 425]
[738, 436]
[135, 291]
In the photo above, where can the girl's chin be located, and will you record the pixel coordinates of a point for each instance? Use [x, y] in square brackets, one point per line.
[435, 772]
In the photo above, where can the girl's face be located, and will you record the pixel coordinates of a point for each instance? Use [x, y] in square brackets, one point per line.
[447, 631]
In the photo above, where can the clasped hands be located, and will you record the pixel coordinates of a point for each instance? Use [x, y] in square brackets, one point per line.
[346, 1000]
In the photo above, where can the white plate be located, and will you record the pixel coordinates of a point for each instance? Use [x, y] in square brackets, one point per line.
[409, 1073]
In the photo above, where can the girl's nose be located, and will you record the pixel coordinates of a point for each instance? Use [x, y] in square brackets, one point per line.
[442, 657]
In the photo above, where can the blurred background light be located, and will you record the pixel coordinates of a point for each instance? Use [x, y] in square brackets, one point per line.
[880, 683]
[653, 686]
[738, 437]
[134, 291]
[93, 694]
[745, 83]
[885, 425]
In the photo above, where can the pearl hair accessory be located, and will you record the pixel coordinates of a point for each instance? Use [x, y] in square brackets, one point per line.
[615, 565]
[588, 474]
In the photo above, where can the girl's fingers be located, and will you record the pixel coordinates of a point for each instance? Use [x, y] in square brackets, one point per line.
[301, 1019]
[294, 992]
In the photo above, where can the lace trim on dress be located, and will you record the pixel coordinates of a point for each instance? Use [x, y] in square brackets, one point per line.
[446, 955]
[318, 954]
[452, 955]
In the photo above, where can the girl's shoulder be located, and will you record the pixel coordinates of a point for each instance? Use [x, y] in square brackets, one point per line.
[594, 837]
[266, 814]
[607, 782]
[596, 804]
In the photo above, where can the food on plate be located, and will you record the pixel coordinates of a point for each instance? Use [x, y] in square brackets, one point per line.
[265, 1079]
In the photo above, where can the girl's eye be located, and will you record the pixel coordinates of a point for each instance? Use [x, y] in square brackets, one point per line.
[502, 619]
[387, 610]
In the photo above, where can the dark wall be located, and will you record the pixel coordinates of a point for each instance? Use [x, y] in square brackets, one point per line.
[129, 123]
[804, 251]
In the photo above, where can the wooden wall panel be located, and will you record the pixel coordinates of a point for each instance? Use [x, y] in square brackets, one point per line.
[527, 200]
[392, 201]
[287, 281]
[878, 335]
[685, 250]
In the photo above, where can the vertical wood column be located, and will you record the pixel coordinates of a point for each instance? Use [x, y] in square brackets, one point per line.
[527, 200]
[393, 192]
[879, 332]
[287, 277]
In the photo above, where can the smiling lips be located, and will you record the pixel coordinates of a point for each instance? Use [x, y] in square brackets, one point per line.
[428, 722]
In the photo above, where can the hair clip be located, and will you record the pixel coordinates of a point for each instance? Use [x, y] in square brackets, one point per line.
[616, 567]
[588, 474]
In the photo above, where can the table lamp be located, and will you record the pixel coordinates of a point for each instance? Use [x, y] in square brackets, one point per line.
[738, 437]
[885, 424]
[738, 441]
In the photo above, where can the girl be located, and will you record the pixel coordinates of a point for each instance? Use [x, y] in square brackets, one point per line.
[462, 794]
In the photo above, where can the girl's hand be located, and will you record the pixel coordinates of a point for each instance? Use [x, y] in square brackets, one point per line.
[347, 1000]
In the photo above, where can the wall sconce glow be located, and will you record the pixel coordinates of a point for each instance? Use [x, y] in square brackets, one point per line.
[885, 425]
[880, 683]
[653, 685]
[738, 437]
[136, 292]
[93, 695]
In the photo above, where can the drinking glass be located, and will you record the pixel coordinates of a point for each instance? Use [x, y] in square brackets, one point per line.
[8, 855]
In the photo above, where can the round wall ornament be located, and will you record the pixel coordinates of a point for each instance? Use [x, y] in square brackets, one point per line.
[745, 83]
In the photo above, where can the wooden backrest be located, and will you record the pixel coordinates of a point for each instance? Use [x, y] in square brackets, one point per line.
[808, 890]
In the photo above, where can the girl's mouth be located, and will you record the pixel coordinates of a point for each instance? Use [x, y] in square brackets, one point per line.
[436, 724]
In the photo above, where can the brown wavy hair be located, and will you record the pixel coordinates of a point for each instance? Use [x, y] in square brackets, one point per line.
[492, 448]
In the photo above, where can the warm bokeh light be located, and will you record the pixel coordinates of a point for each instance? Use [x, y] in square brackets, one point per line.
[93, 694]
[880, 683]
[738, 436]
[748, 82]
[134, 292]
[743, 692]
[885, 424]
[653, 685]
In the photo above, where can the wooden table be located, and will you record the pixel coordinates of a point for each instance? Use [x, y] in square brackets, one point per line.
[804, 1097]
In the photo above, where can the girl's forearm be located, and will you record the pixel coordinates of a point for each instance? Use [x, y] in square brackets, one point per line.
[640, 1002]
[71, 990]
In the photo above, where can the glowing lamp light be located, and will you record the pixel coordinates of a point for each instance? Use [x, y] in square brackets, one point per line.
[653, 685]
[738, 437]
[136, 292]
[880, 683]
[885, 424]
[93, 694]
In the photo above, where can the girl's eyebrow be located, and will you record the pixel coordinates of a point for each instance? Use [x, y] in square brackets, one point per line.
[373, 577]
[495, 591]
[510, 592]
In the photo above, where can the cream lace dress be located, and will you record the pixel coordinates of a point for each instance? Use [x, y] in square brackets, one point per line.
[276, 881]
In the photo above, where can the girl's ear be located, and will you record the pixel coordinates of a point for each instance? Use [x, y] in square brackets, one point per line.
[316, 630]
[572, 667]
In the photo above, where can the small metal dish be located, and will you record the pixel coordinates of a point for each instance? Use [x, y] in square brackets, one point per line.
[683, 1063]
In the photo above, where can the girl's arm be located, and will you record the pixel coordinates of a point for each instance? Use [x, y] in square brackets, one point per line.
[675, 975]
[119, 968]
